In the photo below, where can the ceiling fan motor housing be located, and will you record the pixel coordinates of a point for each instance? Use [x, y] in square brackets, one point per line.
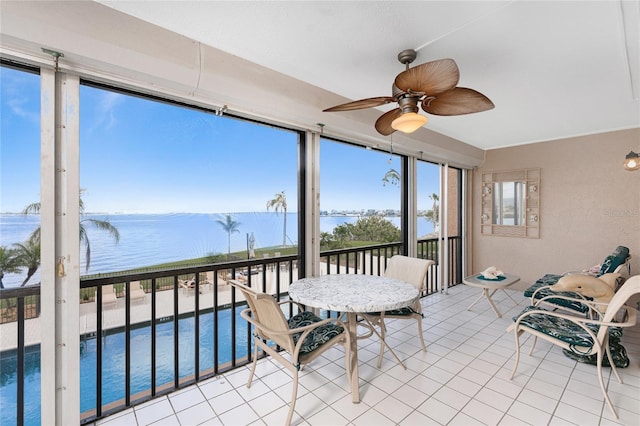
[408, 103]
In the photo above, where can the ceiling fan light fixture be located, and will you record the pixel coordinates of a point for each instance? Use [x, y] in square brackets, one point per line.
[409, 122]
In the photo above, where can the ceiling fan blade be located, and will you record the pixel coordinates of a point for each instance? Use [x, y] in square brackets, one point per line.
[457, 101]
[383, 124]
[431, 78]
[362, 103]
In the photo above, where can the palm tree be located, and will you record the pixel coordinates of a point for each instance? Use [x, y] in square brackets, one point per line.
[230, 226]
[103, 225]
[8, 262]
[280, 202]
[28, 255]
[433, 215]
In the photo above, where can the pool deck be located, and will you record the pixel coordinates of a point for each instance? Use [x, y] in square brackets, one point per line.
[113, 314]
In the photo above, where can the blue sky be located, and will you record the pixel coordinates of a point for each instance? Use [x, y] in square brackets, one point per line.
[142, 156]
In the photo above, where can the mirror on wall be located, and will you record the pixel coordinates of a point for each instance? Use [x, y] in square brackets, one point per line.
[510, 203]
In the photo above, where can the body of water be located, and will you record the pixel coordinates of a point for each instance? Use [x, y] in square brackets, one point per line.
[150, 239]
[113, 367]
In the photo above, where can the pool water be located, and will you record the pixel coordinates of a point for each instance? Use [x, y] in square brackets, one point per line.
[113, 363]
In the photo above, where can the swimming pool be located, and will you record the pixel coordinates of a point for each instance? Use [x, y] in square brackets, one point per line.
[113, 363]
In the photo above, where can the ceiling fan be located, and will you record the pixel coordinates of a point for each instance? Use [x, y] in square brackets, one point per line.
[432, 84]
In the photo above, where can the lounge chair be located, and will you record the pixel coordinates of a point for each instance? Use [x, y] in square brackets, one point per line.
[137, 293]
[109, 297]
[304, 336]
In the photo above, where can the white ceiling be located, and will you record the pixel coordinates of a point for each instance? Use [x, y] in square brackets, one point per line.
[553, 69]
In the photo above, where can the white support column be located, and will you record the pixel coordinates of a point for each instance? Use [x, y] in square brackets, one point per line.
[47, 247]
[463, 212]
[444, 225]
[313, 204]
[412, 190]
[67, 250]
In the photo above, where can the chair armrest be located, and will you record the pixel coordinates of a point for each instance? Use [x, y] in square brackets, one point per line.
[291, 302]
[579, 297]
[630, 315]
[591, 306]
[307, 328]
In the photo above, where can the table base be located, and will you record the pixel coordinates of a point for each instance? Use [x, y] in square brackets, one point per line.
[487, 295]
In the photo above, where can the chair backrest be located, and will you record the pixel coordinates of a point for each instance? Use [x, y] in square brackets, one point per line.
[108, 294]
[628, 289]
[137, 291]
[408, 269]
[266, 312]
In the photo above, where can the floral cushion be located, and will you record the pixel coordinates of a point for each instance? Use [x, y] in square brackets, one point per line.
[615, 259]
[318, 336]
[405, 312]
[551, 279]
[571, 333]
[618, 353]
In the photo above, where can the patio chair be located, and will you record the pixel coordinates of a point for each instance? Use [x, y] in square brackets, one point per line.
[136, 293]
[187, 285]
[579, 335]
[413, 271]
[109, 297]
[304, 336]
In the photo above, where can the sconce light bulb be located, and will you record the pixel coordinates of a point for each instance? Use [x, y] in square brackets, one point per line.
[632, 161]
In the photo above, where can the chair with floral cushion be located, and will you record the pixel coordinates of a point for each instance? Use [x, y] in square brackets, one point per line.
[414, 271]
[304, 336]
[579, 335]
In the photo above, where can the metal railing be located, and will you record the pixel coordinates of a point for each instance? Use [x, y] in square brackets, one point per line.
[186, 325]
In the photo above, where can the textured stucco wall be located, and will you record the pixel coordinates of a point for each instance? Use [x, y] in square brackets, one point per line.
[588, 206]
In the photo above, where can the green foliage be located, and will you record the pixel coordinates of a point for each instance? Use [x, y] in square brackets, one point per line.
[329, 241]
[102, 225]
[371, 228]
[9, 260]
[28, 256]
[433, 215]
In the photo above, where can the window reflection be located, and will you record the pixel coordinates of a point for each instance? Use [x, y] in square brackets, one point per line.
[508, 203]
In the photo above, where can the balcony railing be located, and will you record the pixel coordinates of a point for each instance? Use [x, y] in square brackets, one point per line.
[184, 328]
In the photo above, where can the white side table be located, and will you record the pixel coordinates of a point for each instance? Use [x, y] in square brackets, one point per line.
[494, 285]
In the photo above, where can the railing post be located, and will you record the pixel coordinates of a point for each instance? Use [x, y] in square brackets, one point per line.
[20, 361]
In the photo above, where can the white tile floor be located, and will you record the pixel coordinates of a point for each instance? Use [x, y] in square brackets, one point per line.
[463, 379]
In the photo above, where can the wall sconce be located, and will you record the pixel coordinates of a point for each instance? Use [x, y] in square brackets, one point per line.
[632, 161]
